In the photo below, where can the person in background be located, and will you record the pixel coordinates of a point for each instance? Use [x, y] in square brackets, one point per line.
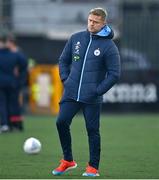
[16, 119]
[89, 66]
[13, 71]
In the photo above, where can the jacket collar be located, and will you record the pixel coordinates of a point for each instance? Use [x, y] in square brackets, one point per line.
[105, 32]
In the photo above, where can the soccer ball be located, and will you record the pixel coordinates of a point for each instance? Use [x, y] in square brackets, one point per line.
[32, 146]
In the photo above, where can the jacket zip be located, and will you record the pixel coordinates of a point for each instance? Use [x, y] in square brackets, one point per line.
[85, 57]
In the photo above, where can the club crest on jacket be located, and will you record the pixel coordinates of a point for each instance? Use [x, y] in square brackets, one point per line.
[97, 52]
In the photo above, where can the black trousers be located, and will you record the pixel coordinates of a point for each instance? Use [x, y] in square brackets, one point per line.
[91, 112]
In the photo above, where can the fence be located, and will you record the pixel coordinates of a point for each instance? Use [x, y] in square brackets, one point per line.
[140, 40]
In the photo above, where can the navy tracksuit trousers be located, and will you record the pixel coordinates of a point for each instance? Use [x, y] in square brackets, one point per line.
[91, 112]
[4, 106]
[10, 108]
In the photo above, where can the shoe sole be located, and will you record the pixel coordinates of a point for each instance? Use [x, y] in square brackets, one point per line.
[90, 174]
[55, 173]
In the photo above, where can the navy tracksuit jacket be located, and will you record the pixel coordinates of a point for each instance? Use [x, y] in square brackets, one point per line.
[89, 67]
[10, 83]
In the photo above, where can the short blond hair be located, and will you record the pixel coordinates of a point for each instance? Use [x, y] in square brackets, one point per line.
[99, 12]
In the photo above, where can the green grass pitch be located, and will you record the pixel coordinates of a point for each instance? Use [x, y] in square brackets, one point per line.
[130, 148]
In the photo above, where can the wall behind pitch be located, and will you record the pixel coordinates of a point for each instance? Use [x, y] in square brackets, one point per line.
[137, 91]
[43, 50]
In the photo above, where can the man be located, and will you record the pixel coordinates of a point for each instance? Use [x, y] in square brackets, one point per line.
[89, 67]
[9, 82]
[16, 118]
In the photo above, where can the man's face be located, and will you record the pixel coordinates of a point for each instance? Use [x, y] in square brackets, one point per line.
[95, 23]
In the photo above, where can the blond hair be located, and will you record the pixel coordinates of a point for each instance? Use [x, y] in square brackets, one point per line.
[99, 12]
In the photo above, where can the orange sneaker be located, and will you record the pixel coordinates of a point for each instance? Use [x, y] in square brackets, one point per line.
[91, 171]
[64, 166]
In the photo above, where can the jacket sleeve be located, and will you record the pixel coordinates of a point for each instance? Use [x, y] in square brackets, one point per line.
[113, 68]
[65, 60]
